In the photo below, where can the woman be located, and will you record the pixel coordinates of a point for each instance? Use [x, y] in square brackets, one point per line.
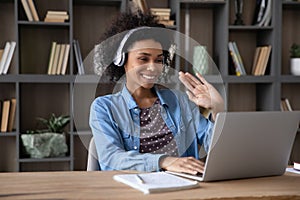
[145, 127]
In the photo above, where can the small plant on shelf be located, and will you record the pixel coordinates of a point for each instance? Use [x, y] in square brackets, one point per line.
[54, 124]
[295, 51]
[295, 59]
[48, 142]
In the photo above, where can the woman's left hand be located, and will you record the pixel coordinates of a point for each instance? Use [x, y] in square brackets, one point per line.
[202, 93]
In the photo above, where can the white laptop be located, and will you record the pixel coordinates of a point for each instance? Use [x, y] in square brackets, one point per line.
[249, 144]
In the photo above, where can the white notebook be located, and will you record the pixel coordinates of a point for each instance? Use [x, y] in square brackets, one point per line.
[156, 182]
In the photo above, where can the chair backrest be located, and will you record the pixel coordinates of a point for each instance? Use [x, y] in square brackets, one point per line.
[92, 162]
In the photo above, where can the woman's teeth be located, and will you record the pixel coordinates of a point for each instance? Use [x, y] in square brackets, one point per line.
[148, 77]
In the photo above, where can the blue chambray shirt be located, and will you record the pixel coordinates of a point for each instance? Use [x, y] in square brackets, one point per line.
[115, 124]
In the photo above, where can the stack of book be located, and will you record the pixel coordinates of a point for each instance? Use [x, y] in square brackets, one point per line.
[30, 10]
[236, 59]
[56, 16]
[261, 59]
[59, 56]
[6, 55]
[285, 105]
[7, 114]
[163, 15]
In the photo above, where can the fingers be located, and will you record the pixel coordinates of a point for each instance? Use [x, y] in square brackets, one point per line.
[185, 164]
[185, 81]
[201, 78]
[194, 80]
[193, 166]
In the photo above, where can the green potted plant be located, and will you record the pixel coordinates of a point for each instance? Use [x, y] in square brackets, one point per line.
[295, 59]
[48, 142]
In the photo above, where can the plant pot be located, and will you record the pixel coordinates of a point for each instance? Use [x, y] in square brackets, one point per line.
[295, 66]
[44, 145]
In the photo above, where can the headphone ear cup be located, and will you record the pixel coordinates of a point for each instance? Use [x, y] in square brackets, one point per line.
[119, 59]
[122, 60]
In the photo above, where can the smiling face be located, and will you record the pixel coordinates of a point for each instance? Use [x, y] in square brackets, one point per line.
[144, 64]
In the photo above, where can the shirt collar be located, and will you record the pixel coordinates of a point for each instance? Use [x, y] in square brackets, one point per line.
[131, 102]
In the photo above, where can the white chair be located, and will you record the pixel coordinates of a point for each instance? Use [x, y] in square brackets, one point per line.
[92, 162]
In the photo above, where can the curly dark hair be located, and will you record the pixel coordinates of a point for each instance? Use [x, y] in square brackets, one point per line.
[128, 20]
[121, 24]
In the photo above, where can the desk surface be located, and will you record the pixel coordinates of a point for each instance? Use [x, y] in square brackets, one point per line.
[100, 185]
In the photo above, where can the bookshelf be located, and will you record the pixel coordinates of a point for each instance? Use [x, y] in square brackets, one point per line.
[39, 94]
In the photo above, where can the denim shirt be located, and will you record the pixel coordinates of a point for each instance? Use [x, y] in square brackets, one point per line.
[115, 124]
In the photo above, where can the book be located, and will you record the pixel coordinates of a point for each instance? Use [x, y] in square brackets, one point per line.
[132, 6]
[27, 10]
[1, 53]
[60, 58]
[288, 105]
[55, 59]
[51, 58]
[12, 114]
[78, 57]
[4, 56]
[265, 59]
[167, 22]
[57, 12]
[255, 59]
[33, 10]
[5, 115]
[155, 182]
[50, 16]
[233, 55]
[260, 60]
[285, 105]
[54, 20]
[9, 57]
[239, 57]
[142, 5]
[65, 60]
[163, 10]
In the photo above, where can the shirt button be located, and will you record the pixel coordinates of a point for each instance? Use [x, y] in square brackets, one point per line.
[135, 147]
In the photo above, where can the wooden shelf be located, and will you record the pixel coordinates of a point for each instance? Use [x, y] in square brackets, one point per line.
[37, 160]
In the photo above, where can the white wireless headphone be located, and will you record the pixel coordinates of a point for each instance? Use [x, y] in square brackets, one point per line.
[119, 58]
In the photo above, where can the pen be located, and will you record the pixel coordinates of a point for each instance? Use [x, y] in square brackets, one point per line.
[139, 179]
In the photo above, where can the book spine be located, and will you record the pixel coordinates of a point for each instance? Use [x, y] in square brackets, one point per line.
[52, 52]
[239, 57]
[12, 114]
[255, 59]
[9, 56]
[60, 59]
[66, 58]
[4, 56]
[266, 59]
[27, 10]
[33, 10]
[234, 59]
[79, 58]
[55, 59]
[5, 115]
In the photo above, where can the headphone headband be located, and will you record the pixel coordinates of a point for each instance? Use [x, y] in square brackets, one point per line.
[119, 58]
